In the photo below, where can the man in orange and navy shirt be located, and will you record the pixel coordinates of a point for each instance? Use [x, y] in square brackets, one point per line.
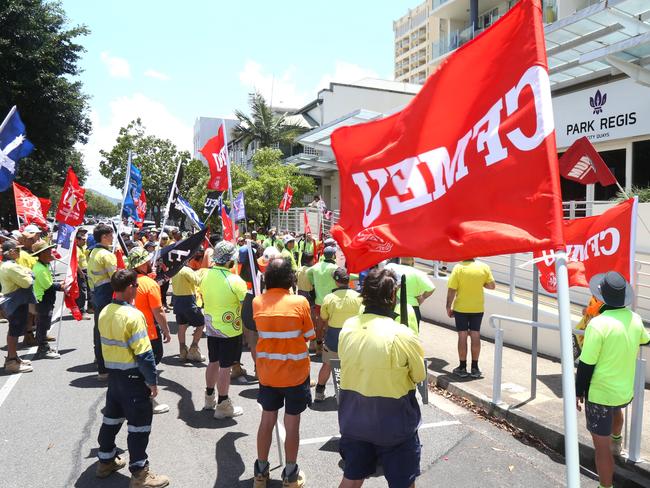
[284, 326]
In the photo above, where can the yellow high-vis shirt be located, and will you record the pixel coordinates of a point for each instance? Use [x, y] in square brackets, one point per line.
[186, 282]
[123, 331]
[101, 266]
[14, 276]
[26, 260]
[468, 278]
[339, 306]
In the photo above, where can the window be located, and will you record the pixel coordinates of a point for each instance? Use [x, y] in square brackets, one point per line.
[641, 164]
[615, 161]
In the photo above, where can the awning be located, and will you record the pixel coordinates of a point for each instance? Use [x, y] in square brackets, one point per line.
[609, 35]
[319, 138]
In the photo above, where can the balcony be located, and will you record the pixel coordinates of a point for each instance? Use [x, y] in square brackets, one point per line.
[454, 41]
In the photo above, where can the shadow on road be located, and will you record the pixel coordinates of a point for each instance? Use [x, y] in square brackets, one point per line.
[88, 382]
[83, 368]
[120, 479]
[327, 405]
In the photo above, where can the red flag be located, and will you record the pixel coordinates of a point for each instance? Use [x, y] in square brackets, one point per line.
[71, 286]
[28, 207]
[306, 219]
[45, 206]
[119, 256]
[468, 168]
[287, 199]
[594, 245]
[226, 224]
[141, 207]
[216, 153]
[582, 163]
[72, 205]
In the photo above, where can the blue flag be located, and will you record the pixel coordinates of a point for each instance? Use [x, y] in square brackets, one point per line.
[63, 236]
[185, 207]
[13, 147]
[134, 189]
[238, 207]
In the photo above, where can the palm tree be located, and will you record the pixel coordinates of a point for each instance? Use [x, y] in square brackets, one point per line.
[263, 126]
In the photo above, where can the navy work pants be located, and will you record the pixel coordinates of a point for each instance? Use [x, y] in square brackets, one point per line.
[103, 294]
[127, 398]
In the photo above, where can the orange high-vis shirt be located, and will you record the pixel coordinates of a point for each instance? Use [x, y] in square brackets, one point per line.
[147, 298]
[284, 326]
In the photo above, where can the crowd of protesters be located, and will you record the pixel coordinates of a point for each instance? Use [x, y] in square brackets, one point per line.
[283, 296]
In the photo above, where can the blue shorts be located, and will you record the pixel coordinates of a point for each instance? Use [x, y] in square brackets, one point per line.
[295, 399]
[187, 313]
[468, 321]
[401, 463]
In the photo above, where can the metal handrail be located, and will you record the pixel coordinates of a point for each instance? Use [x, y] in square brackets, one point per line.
[636, 424]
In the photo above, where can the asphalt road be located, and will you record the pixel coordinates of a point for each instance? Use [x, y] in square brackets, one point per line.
[49, 420]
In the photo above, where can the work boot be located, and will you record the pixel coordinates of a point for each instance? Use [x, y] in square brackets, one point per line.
[210, 402]
[460, 372]
[16, 365]
[46, 352]
[476, 373]
[227, 410]
[237, 371]
[104, 470]
[194, 354]
[261, 478]
[50, 338]
[159, 407]
[29, 340]
[183, 353]
[146, 479]
[294, 480]
[319, 395]
[616, 445]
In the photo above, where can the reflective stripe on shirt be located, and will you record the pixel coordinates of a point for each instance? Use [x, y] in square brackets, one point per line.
[290, 334]
[282, 357]
[123, 366]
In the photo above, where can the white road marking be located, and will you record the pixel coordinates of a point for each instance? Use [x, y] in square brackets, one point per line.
[13, 379]
[432, 425]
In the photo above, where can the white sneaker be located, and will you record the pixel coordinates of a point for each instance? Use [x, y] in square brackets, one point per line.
[210, 402]
[159, 407]
[227, 410]
[47, 354]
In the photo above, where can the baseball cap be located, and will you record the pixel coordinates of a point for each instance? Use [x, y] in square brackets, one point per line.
[288, 238]
[224, 251]
[31, 229]
[341, 275]
[10, 245]
[329, 251]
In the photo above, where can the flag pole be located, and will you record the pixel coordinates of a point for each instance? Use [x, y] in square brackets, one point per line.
[6, 120]
[127, 180]
[225, 144]
[73, 242]
[571, 452]
[166, 214]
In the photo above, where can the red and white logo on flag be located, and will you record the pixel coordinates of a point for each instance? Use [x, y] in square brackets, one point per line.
[28, 207]
[582, 163]
[594, 245]
[287, 199]
[141, 207]
[306, 220]
[216, 153]
[72, 206]
[470, 163]
[71, 286]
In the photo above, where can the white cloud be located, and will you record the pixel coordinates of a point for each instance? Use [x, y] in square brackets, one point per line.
[152, 73]
[284, 88]
[117, 67]
[156, 119]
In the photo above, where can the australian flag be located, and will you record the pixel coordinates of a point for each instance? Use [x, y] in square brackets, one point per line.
[134, 189]
[13, 147]
[185, 207]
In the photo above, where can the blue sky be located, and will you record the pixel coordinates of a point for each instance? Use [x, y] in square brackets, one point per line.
[169, 62]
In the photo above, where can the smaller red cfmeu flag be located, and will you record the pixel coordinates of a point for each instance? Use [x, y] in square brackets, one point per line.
[72, 205]
[215, 152]
[45, 206]
[582, 163]
[594, 245]
[306, 219]
[226, 224]
[28, 207]
[71, 286]
[287, 199]
[141, 207]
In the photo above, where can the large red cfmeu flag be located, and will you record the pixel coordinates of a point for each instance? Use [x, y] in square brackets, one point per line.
[582, 163]
[469, 167]
[28, 207]
[216, 153]
[71, 286]
[72, 206]
[287, 199]
[595, 245]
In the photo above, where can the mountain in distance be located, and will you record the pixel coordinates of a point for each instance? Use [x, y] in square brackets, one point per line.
[111, 199]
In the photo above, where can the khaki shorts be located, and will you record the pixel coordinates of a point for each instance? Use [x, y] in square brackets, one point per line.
[328, 355]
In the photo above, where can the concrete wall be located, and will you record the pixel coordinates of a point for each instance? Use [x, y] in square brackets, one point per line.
[338, 102]
[497, 303]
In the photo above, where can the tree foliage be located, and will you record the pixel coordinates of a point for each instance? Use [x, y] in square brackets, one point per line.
[39, 57]
[156, 158]
[263, 126]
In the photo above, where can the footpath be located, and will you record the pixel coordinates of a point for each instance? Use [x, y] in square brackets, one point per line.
[542, 416]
